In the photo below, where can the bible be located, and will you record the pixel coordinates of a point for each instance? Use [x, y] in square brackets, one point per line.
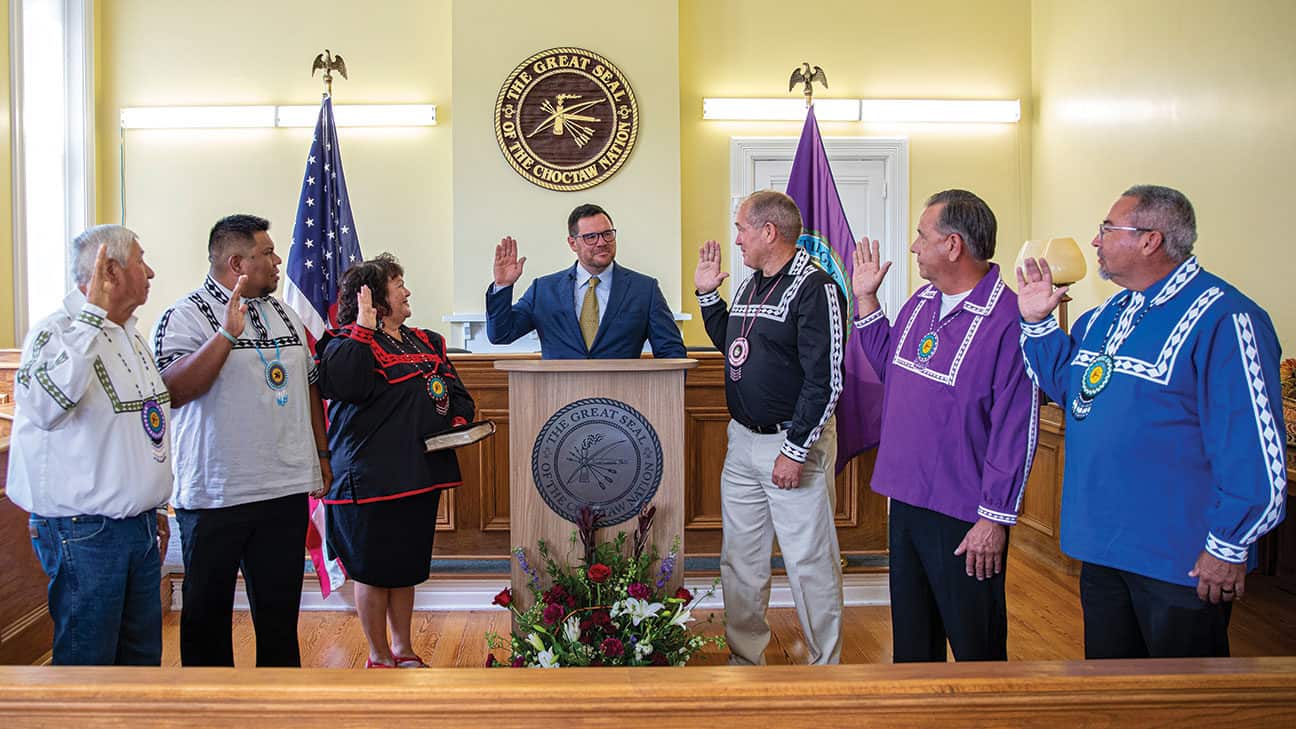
[458, 436]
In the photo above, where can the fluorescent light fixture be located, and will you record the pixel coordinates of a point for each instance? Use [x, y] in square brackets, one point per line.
[869, 110]
[197, 117]
[939, 110]
[362, 115]
[233, 117]
[779, 109]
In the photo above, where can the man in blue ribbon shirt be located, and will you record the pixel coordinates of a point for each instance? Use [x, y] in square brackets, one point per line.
[1174, 445]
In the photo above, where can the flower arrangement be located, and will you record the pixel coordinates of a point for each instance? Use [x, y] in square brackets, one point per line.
[609, 609]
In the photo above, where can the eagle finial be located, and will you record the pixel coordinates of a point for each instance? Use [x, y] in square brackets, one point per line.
[329, 63]
[805, 74]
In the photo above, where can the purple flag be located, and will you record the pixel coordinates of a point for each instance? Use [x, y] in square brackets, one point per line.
[827, 237]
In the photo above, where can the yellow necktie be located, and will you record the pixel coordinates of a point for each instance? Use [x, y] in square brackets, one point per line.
[589, 318]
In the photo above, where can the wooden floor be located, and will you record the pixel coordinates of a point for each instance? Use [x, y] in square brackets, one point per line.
[1043, 624]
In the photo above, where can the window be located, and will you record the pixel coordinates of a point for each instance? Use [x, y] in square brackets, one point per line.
[53, 147]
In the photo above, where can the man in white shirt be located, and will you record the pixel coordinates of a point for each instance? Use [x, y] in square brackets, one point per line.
[91, 458]
[249, 446]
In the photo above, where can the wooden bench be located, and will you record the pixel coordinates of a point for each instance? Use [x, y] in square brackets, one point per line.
[1249, 692]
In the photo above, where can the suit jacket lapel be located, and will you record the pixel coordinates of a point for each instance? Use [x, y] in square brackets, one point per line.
[566, 304]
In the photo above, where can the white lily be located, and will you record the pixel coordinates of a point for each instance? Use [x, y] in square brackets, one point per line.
[681, 617]
[637, 609]
[571, 629]
[535, 641]
[547, 659]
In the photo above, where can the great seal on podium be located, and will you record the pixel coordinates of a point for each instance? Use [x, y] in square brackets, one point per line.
[566, 119]
[597, 452]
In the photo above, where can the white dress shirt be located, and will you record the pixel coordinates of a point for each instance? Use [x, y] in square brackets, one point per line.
[602, 292]
[92, 429]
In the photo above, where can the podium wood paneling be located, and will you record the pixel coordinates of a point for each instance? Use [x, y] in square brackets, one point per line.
[538, 389]
[482, 504]
[1039, 523]
[26, 630]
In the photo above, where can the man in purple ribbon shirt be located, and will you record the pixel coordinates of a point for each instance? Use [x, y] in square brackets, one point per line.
[959, 426]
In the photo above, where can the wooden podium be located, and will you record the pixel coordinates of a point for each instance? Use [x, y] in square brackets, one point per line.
[541, 389]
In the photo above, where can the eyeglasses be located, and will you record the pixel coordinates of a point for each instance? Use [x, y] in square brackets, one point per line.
[1105, 228]
[590, 239]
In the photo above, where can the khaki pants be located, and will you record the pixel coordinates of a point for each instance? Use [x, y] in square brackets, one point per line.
[755, 511]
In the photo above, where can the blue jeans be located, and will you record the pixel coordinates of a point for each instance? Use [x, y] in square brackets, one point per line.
[104, 592]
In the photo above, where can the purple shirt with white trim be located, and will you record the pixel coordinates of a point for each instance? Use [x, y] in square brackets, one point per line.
[960, 417]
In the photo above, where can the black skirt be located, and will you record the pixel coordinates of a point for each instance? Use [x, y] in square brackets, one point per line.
[385, 543]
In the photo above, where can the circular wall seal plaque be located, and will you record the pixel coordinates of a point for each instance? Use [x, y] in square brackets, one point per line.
[600, 453]
[566, 119]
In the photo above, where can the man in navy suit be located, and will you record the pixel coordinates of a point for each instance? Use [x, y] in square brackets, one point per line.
[593, 310]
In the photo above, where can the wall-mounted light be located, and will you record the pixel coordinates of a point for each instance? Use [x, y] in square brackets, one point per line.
[234, 117]
[868, 110]
[197, 117]
[780, 109]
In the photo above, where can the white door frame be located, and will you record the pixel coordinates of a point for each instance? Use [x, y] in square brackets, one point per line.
[745, 152]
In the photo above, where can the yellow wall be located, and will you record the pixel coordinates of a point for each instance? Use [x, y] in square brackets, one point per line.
[256, 52]
[491, 200]
[6, 191]
[1195, 95]
[1186, 94]
[868, 48]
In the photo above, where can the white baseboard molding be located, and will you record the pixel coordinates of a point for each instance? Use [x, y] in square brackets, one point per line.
[476, 594]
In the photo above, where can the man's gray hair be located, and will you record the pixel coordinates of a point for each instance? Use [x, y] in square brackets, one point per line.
[1168, 211]
[85, 248]
[969, 216]
[772, 206]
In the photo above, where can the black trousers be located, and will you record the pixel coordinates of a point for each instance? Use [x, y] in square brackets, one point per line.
[933, 599]
[1133, 616]
[266, 539]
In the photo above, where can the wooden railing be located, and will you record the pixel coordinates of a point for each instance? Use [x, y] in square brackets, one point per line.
[1248, 692]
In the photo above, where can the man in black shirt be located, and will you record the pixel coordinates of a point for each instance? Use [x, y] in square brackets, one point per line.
[783, 341]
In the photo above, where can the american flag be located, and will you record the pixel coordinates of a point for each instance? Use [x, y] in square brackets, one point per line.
[324, 246]
[324, 237]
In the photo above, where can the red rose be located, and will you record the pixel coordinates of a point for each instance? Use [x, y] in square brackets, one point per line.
[657, 659]
[504, 598]
[602, 618]
[599, 572]
[684, 595]
[490, 660]
[612, 647]
[554, 594]
[518, 662]
[553, 613]
[638, 590]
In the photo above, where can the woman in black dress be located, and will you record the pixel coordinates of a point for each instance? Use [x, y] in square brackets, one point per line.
[389, 387]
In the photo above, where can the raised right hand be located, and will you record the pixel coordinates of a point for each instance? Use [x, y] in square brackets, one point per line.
[236, 309]
[1036, 297]
[869, 271]
[366, 314]
[708, 276]
[99, 290]
[508, 267]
